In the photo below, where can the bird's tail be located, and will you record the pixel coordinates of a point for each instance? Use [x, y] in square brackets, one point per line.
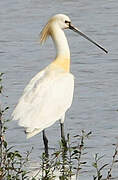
[32, 133]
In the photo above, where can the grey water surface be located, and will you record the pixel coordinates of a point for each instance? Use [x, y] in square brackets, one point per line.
[95, 103]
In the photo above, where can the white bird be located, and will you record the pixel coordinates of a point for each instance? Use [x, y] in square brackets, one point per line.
[49, 94]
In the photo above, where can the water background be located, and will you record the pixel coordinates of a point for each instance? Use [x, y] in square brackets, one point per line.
[95, 101]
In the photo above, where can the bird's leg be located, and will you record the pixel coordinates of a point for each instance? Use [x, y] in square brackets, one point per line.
[62, 132]
[64, 149]
[45, 140]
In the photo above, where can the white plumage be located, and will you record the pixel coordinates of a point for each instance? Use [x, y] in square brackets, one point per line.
[45, 100]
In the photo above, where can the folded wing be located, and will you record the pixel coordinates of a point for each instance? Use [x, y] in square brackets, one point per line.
[45, 100]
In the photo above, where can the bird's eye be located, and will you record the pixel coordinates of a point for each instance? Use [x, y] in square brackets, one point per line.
[67, 22]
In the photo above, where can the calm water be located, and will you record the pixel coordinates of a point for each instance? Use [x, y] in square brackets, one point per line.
[95, 101]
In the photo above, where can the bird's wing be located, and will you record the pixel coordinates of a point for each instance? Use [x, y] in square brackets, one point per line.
[22, 105]
[46, 98]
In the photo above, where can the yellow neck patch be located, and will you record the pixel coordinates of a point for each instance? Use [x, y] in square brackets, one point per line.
[63, 63]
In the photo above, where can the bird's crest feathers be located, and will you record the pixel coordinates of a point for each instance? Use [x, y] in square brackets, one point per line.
[45, 33]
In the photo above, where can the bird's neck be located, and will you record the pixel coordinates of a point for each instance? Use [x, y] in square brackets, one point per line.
[62, 49]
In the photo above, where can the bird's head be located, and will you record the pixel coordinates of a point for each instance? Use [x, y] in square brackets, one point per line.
[63, 22]
[60, 20]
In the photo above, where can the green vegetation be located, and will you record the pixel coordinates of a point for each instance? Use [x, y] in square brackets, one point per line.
[12, 164]
[66, 162]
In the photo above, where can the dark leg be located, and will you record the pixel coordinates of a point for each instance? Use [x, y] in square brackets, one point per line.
[62, 130]
[64, 150]
[62, 135]
[45, 140]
